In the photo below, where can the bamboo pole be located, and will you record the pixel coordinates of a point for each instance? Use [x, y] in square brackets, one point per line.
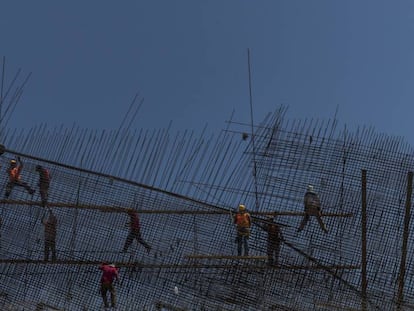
[364, 283]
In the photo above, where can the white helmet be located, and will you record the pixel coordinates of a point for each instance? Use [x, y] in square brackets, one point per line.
[310, 188]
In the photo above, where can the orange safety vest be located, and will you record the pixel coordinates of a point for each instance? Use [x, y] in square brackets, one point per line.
[242, 220]
[14, 173]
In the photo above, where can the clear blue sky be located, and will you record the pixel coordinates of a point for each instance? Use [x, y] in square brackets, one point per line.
[188, 59]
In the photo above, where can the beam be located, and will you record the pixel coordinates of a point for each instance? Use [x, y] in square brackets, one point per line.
[170, 266]
[121, 209]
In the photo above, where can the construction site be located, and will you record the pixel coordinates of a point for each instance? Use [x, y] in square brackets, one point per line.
[186, 188]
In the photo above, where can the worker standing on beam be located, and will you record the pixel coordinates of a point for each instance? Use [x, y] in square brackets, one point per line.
[274, 240]
[109, 274]
[50, 235]
[134, 232]
[312, 205]
[44, 183]
[14, 172]
[243, 223]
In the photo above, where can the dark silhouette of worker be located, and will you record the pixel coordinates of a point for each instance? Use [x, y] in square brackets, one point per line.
[274, 240]
[50, 224]
[14, 172]
[44, 183]
[243, 223]
[134, 232]
[312, 205]
[109, 274]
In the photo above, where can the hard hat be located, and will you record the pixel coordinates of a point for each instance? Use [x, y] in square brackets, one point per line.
[112, 265]
[310, 188]
[13, 162]
[242, 207]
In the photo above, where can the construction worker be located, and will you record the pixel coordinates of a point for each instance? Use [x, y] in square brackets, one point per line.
[50, 224]
[312, 205]
[109, 273]
[44, 182]
[134, 232]
[274, 239]
[243, 223]
[14, 171]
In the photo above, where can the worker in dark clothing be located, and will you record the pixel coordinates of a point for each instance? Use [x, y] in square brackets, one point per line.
[44, 182]
[14, 171]
[274, 239]
[312, 205]
[134, 232]
[50, 235]
[109, 274]
[243, 223]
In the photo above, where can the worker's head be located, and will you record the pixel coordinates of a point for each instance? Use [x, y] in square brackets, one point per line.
[112, 265]
[310, 188]
[13, 162]
[270, 218]
[38, 168]
[242, 208]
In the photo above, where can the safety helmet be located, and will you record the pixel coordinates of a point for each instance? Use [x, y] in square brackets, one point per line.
[112, 265]
[310, 188]
[242, 208]
[13, 162]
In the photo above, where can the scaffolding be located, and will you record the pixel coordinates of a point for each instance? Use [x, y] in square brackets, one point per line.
[185, 188]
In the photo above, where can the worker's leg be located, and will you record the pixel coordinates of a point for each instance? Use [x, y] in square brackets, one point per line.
[113, 296]
[269, 253]
[303, 223]
[46, 251]
[276, 250]
[104, 289]
[246, 245]
[128, 240]
[141, 241]
[321, 224]
[9, 188]
[239, 244]
[53, 248]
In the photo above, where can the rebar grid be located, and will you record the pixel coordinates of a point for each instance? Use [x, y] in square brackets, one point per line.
[186, 188]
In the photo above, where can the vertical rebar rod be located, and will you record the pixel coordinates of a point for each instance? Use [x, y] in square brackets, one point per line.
[407, 216]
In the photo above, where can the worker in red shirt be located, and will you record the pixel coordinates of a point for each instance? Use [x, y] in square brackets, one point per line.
[44, 182]
[109, 274]
[134, 232]
[14, 172]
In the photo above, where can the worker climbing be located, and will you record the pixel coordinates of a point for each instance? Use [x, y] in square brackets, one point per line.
[109, 274]
[274, 239]
[312, 205]
[134, 232]
[44, 183]
[14, 172]
[242, 221]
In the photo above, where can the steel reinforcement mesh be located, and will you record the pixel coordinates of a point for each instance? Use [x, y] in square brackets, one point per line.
[186, 188]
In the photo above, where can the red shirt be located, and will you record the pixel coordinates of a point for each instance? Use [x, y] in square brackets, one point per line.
[109, 274]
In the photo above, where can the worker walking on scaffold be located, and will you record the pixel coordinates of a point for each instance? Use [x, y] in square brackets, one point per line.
[274, 240]
[312, 206]
[109, 274]
[14, 172]
[243, 223]
[134, 232]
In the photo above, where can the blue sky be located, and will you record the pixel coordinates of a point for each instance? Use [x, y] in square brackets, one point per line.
[188, 60]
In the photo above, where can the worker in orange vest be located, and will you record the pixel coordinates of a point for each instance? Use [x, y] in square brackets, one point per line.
[14, 171]
[243, 223]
